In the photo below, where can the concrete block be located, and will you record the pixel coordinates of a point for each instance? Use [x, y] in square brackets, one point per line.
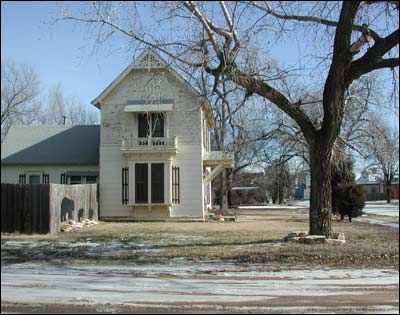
[338, 236]
[314, 239]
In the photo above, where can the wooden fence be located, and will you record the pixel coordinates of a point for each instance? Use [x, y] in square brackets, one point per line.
[25, 208]
[42, 208]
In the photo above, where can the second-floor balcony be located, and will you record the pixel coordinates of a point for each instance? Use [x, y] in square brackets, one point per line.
[149, 144]
[215, 158]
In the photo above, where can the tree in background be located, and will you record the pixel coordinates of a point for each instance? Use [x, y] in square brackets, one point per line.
[278, 181]
[382, 149]
[60, 109]
[348, 198]
[20, 88]
[23, 102]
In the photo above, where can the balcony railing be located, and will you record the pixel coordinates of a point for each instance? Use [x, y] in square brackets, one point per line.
[214, 158]
[149, 144]
[219, 155]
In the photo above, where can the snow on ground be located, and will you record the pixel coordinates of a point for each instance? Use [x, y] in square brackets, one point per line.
[272, 207]
[194, 283]
[371, 221]
[379, 208]
[382, 209]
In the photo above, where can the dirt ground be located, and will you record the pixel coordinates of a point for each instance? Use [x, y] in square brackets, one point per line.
[187, 267]
[181, 286]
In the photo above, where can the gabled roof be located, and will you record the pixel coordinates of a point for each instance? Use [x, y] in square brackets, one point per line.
[149, 59]
[34, 145]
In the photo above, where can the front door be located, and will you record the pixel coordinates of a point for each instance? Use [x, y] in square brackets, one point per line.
[157, 183]
[141, 183]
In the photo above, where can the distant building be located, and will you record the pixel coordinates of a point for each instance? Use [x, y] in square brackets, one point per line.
[375, 187]
[394, 189]
[302, 186]
[247, 189]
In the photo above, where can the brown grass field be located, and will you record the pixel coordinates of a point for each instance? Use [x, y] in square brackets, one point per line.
[253, 238]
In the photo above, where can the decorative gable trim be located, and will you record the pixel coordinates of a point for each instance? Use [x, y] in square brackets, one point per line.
[147, 60]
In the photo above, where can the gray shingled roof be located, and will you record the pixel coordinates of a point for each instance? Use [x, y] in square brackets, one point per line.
[77, 145]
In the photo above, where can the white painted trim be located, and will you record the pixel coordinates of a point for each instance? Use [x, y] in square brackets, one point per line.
[131, 186]
[149, 183]
[215, 171]
[148, 108]
[98, 100]
[168, 182]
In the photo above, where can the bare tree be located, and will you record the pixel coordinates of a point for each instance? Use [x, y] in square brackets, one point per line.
[383, 152]
[223, 40]
[19, 95]
[238, 130]
[61, 109]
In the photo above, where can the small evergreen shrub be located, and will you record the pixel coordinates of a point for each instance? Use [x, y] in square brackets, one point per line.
[348, 198]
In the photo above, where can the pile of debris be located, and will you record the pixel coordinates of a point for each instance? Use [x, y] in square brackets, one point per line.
[71, 225]
[217, 215]
[303, 238]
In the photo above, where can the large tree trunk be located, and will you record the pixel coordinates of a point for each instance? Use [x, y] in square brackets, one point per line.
[388, 191]
[320, 199]
[223, 190]
[281, 194]
[229, 178]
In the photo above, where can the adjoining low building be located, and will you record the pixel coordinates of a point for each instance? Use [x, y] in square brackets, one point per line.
[50, 154]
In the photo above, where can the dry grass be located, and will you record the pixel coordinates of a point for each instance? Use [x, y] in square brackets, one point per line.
[245, 240]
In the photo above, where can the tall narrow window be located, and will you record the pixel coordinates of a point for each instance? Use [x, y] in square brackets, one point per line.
[151, 125]
[45, 178]
[157, 125]
[144, 124]
[141, 183]
[22, 178]
[125, 185]
[175, 185]
[157, 183]
[63, 179]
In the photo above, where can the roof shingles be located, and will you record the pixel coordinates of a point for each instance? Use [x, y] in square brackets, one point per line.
[78, 145]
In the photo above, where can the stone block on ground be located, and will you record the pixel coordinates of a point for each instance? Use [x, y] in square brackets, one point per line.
[314, 239]
[296, 234]
[338, 236]
[296, 240]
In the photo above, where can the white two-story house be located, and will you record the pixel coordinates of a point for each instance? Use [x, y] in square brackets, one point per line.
[155, 160]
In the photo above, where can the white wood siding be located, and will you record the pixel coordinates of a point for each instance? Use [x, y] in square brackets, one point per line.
[10, 174]
[184, 122]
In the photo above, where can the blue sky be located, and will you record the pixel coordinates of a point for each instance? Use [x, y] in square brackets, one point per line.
[59, 52]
